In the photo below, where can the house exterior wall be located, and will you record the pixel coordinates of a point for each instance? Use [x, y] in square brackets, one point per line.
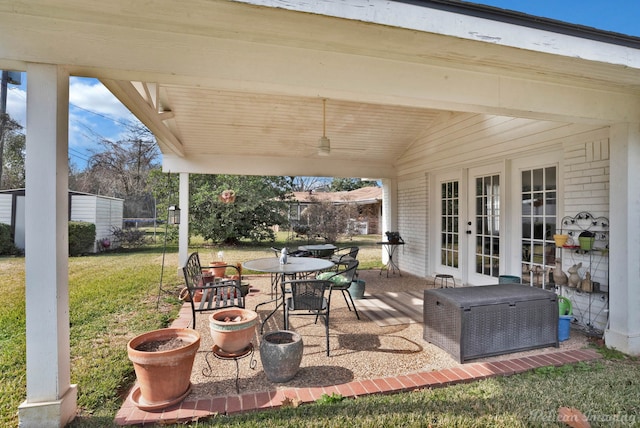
[461, 141]
[586, 188]
[413, 211]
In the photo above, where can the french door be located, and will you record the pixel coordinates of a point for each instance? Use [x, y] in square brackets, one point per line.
[484, 225]
[480, 236]
[469, 225]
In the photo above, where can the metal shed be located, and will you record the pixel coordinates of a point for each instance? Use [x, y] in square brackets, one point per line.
[103, 211]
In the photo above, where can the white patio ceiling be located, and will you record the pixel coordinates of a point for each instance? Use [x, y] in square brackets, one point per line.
[210, 121]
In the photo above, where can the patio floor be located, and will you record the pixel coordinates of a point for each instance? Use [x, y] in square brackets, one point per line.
[195, 406]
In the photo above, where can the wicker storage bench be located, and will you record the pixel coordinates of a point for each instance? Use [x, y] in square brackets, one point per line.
[476, 322]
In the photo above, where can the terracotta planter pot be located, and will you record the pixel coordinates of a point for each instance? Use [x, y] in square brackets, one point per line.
[163, 375]
[232, 329]
[218, 272]
[207, 278]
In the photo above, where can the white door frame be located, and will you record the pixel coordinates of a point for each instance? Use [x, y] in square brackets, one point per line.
[436, 224]
[470, 223]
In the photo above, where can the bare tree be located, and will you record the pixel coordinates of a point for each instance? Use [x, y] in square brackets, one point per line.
[12, 154]
[124, 165]
[305, 184]
[326, 219]
[121, 169]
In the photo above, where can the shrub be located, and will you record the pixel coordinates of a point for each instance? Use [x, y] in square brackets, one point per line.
[6, 244]
[326, 219]
[129, 238]
[82, 236]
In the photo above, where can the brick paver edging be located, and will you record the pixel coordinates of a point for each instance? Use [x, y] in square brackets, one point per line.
[186, 411]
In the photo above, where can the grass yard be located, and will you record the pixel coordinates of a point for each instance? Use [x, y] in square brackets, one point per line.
[606, 391]
[113, 297]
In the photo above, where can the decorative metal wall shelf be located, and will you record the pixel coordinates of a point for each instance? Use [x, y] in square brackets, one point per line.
[586, 222]
[598, 227]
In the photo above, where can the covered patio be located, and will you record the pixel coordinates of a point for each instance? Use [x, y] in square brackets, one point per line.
[367, 357]
[430, 97]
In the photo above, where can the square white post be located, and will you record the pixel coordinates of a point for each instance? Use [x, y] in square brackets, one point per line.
[624, 240]
[183, 236]
[51, 399]
[389, 211]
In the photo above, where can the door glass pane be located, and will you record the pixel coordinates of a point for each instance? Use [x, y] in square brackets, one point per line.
[488, 225]
[449, 224]
[539, 208]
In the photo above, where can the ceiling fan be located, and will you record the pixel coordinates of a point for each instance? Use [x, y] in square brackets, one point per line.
[323, 147]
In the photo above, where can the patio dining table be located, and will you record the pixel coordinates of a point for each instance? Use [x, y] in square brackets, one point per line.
[294, 266]
[319, 250]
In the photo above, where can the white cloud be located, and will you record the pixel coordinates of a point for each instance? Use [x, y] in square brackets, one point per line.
[93, 99]
[17, 104]
[94, 114]
[90, 94]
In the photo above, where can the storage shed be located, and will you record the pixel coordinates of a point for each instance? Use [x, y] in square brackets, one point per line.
[103, 211]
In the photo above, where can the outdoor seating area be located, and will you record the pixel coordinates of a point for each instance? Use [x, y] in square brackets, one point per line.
[208, 289]
[373, 354]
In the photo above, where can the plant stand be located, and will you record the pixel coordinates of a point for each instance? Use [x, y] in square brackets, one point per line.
[222, 355]
[591, 304]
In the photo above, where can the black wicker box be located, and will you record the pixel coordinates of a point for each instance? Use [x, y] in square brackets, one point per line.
[481, 321]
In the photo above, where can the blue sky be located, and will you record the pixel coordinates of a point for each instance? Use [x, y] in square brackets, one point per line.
[94, 113]
[620, 16]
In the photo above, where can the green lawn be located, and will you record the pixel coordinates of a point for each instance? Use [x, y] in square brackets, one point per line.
[113, 297]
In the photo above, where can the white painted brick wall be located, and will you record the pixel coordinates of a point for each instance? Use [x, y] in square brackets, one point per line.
[412, 224]
[586, 188]
[586, 178]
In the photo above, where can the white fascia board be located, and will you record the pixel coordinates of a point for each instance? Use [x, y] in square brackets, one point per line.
[426, 19]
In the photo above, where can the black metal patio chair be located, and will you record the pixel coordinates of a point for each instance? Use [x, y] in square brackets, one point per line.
[342, 256]
[207, 293]
[341, 281]
[308, 297]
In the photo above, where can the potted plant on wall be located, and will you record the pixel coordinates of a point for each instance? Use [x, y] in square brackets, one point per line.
[163, 360]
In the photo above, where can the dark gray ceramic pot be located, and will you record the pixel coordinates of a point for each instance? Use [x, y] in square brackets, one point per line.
[281, 354]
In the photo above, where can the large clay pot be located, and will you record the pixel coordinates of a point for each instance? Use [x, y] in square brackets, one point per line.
[232, 329]
[218, 272]
[281, 354]
[163, 375]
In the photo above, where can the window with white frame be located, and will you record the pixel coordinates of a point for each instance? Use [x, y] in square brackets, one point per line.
[449, 221]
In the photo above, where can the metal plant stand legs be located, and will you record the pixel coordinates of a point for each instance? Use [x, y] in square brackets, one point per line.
[221, 355]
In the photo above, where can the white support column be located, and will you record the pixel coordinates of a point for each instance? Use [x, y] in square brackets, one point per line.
[183, 239]
[51, 399]
[624, 241]
[389, 210]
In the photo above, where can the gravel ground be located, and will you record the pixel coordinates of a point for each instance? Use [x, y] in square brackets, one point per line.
[359, 349]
